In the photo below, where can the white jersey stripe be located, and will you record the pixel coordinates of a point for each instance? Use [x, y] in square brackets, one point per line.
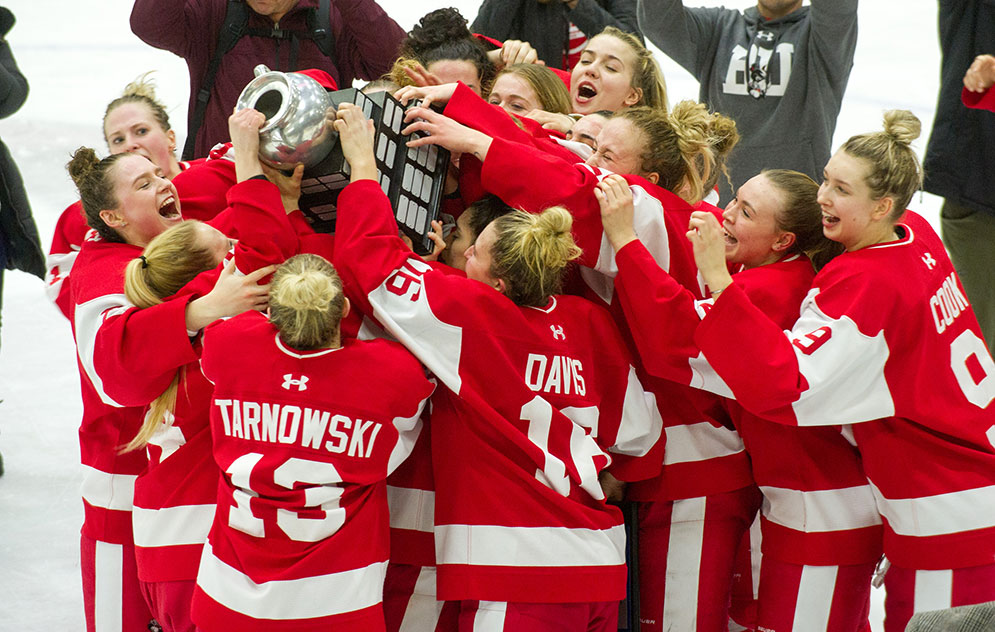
[492, 545]
[282, 600]
[822, 510]
[941, 514]
[64, 262]
[172, 526]
[110, 491]
[815, 598]
[700, 442]
[412, 509]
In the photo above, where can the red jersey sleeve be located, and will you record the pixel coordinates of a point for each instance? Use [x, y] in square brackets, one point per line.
[979, 100]
[66, 242]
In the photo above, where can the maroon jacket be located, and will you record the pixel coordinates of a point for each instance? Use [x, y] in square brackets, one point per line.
[366, 44]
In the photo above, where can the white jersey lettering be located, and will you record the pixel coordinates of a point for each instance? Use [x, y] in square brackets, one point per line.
[555, 374]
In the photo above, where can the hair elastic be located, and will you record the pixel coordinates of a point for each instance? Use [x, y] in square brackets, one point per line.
[145, 262]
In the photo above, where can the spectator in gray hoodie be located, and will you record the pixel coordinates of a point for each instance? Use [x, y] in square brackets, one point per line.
[779, 69]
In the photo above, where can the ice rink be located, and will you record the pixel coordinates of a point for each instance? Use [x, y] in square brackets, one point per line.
[77, 56]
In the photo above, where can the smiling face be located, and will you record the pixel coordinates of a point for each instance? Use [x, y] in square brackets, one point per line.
[132, 127]
[147, 201]
[620, 149]
[750, 223]
[850, 214]
[453, 70]
[602, 79]
[514, 94]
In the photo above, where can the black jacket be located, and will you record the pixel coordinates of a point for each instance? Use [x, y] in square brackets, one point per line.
[960, 156]
[20, 247]
[546, 26]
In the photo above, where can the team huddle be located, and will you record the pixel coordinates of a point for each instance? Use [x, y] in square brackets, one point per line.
[292, 430]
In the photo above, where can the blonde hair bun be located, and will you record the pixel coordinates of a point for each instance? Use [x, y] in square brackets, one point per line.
[902, 125]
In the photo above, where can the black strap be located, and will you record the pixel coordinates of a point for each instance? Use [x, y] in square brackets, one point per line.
[233, 29]
[236, 18]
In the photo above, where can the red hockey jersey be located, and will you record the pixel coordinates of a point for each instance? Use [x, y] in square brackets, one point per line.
[305, 440]
[535, 399]
[886, 341]
[818, 507]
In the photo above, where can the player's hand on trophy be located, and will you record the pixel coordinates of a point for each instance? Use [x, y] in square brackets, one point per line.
[243, 126]
[427, 94]
[356, 139]
[439, 129]
[438, 241]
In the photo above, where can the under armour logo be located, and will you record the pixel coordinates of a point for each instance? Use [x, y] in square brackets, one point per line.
[557, 332]
[929, 260]
[288, 381]
[765, 36]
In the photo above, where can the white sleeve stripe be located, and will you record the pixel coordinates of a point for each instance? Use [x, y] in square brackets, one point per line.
[845, 375]
[411, 509]
[89, 317]
[641, 424]
[940, 514]
[408, 431]
[109, 491]
[702, 441]
[436, 344]
[172, 526]
[822, 510]
[64, 262]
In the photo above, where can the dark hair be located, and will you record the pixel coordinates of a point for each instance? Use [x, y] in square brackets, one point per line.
[442, 35]
[96, 188]
[484, 211]
[801, 214]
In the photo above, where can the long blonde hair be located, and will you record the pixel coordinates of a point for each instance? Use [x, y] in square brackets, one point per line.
[307, 302]
[171, 260]
[550, 90]
[531, 252]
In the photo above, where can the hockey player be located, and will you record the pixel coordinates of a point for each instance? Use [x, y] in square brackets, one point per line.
[539, 390]
[821, 531]
[887, 344]
[306, 427]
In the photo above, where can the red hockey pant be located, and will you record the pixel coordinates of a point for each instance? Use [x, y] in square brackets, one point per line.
[112, 599]
[499, 616]
[687, 550]
[910, 591]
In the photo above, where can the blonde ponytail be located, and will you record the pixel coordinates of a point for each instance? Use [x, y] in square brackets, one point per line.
[171, 260]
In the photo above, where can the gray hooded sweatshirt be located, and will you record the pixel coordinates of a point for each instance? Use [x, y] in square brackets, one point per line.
[781, 80]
